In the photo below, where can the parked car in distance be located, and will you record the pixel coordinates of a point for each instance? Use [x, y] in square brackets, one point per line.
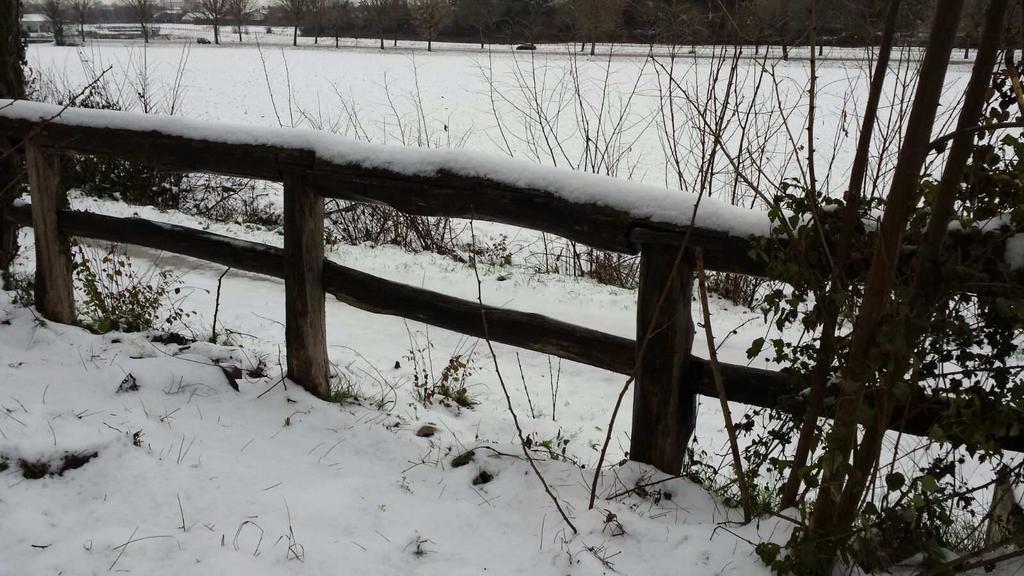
[202, 41]
[526, 46]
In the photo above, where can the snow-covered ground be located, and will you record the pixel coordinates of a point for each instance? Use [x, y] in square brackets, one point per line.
[265, 482]
[362, 490]
[190, 476]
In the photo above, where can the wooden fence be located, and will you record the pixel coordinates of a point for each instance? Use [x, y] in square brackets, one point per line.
[668, 377]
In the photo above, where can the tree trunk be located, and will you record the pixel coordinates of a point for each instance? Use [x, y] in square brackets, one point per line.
[904, 193]
[593, 48]
[923, 299]
[12, 85]
[382, 39]
[239, 30]
[81, 30]
[807, 442]
[145, 33]
[295, 35]
[216, 31]
[430, 43]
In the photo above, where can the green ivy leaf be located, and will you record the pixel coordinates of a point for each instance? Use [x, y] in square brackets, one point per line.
[895, 481]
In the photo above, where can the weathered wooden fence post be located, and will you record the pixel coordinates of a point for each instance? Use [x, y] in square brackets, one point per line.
[305, 322]
[54, 289]
[1005, 516]
[664, 402]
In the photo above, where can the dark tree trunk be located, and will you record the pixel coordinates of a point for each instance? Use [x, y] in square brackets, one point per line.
[216, 31]
[295, 35]
[12, 85]
[848, 480]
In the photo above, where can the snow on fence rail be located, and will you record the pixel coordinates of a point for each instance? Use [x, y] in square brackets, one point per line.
[602, 212]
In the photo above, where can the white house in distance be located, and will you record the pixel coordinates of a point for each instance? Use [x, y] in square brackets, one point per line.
[35, 24]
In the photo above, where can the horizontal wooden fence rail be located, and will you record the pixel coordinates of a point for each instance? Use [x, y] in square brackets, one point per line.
[443, 194]
[752, 386]
[668, 377]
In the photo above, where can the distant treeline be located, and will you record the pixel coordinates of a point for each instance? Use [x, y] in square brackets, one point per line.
[682, 22]
[585, 22]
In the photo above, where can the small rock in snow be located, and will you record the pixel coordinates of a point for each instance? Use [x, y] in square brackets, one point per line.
[129, 384]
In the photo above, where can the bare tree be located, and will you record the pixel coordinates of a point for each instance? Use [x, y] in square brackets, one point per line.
[483, 15]
[534, 16]
[54, 10]
[430, 17]
[380, 13]
[316, 12]
[784, 19]
[143, 11]
[215, 11]
[82, 10]
[971, 25]
[338, 12]
[593, 19]
[239, 10]
[680, 23]
[295, 9]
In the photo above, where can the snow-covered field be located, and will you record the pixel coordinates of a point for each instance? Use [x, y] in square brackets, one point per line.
[554, 107]
[269, 482]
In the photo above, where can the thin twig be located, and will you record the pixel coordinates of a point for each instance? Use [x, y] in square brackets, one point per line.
[216, 306]
[716, 371]
[508, 398]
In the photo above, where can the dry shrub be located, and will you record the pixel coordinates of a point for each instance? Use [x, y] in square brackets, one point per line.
[355, 223]
[119, 297]
[739, 289]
